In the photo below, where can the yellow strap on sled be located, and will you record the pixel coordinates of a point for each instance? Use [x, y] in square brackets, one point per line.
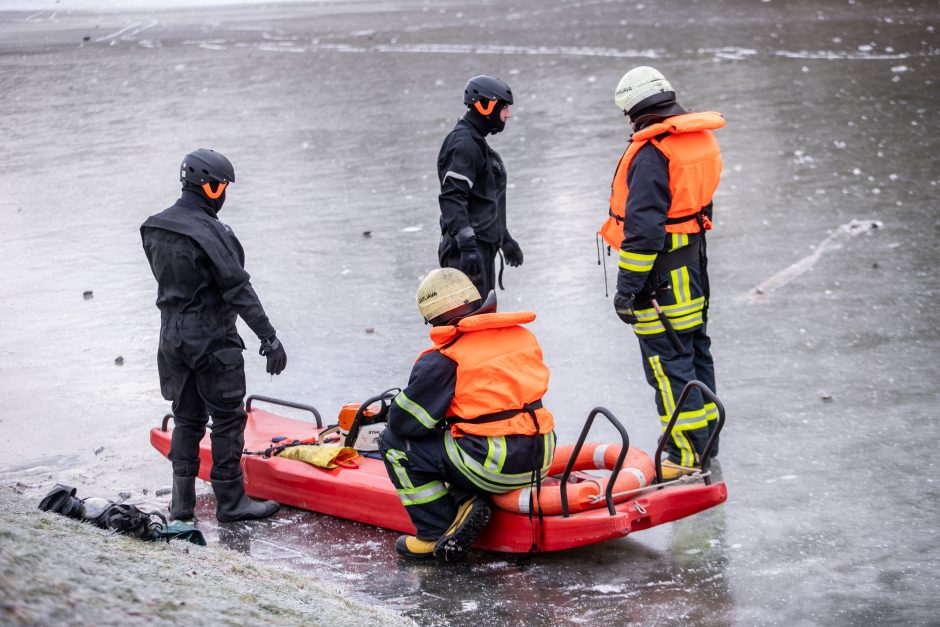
[322, 456]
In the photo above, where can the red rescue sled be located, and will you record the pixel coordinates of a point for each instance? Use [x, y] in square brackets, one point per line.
[366, 495]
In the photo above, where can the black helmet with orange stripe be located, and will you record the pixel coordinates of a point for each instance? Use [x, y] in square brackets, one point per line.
[207, 169]
[486, 96]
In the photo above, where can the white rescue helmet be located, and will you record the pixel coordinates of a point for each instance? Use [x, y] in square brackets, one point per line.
[446, 294]
[642, 84]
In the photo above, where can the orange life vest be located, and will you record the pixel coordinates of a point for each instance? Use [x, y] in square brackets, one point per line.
[694, 172]
[500, 375]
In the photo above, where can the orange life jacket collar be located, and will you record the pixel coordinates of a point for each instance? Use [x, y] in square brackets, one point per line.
[444, 334]
[685, 123]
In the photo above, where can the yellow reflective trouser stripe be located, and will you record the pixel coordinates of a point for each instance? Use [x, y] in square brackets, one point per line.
[549, 451]
[669, 404]
[711, 412]
[680, 284]
[496, 453]
[415, 410]
[683, 308]
[637, 262]
[678, 241]
[679, 324]
[682, 316]
[394, 458]
[422, 494]
[687, 420]
[409, 493]
[483, 478]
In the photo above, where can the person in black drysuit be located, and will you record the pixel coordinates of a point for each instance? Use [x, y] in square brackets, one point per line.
[473, 188]
[202, 286]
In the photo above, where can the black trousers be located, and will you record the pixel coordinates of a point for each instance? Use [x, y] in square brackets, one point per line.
[422, 466]
[449, 257]
[667, 372]
[432, 483]
[212, 384]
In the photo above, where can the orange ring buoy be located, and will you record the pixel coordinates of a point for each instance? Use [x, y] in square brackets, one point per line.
[637, 472]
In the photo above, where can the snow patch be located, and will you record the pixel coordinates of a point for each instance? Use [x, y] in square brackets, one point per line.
[834, 241]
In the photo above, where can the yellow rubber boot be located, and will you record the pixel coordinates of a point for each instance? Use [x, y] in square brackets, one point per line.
[411, 546]
[672, 470]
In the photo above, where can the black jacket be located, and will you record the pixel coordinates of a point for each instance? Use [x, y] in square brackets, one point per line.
[473, 184]
[202, 284]
[430, 391]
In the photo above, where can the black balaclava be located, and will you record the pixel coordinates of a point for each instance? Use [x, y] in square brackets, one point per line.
[195, 194]
[642, 118]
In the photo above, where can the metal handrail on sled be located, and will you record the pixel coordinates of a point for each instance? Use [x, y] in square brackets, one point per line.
[680, 404]
[608, 496]
[283, 403]
[265, 399]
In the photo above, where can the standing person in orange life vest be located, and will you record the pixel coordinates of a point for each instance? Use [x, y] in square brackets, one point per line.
[660, 209]
[470, 422]
[473, 188]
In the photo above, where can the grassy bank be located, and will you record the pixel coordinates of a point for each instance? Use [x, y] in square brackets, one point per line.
[56, 571]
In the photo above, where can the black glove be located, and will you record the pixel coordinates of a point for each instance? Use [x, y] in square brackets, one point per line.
[272, 348]
[623, 305]
[471, 262]
[512, 252]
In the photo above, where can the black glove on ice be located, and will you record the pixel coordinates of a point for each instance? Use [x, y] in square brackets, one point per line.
[512, 252]
[272, 348]
[623, 305]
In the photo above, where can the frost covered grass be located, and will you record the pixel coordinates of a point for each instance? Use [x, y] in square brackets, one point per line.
[56, 571]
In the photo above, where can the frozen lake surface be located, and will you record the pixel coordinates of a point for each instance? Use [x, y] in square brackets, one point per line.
[823, 261]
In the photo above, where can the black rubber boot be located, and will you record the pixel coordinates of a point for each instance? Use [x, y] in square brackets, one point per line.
[472, 516]
[183, 501]
[232, 504]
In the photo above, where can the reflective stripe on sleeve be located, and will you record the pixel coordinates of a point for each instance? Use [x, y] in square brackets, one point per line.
[415, 410]
[455, 175]
[637, 262]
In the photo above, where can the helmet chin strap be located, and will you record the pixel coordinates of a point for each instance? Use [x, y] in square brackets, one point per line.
[214, 195]
[484, 111]
[474, 308]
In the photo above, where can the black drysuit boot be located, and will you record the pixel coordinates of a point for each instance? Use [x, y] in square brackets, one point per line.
[232, 504]
[183, 501]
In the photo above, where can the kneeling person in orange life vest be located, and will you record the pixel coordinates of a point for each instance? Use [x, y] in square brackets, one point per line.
[660, 210]
[470, 422]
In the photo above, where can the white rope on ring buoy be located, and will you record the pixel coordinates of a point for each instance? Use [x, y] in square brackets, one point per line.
[693, 478]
